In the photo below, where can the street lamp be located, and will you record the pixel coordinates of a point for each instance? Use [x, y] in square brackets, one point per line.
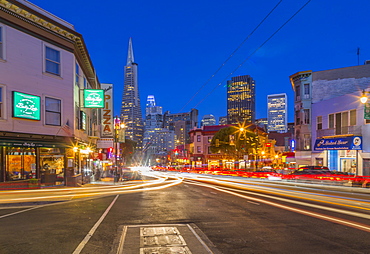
[364, 98]
[118, 126]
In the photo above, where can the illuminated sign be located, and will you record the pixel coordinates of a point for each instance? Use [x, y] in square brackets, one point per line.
[343, 143]
[107, 119]
[26, 106]
[93, 98]
[82, 120]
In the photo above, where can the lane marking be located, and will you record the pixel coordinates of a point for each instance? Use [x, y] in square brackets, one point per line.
[352, 224]
[93, 229]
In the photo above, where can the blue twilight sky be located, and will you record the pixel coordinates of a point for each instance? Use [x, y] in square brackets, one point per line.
[179, 45]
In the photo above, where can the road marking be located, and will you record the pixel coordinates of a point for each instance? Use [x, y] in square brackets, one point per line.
[29, 209]
[301, 211]
[254, 203]
[93, 229]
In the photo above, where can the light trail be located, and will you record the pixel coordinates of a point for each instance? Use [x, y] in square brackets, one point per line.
[317, 197]
[352, 224]
[77, 193]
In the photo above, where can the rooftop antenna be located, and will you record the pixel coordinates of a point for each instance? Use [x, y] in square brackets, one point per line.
[358, 56]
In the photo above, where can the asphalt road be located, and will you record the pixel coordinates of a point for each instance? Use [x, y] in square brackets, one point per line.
[209, 218]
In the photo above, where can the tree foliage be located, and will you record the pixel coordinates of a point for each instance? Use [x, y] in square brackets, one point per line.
[232, 141]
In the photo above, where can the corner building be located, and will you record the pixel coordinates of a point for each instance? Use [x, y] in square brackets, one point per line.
[46, 132]
[332, 127]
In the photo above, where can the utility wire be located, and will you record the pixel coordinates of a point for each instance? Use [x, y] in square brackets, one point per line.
[232, 54]
[240, 65]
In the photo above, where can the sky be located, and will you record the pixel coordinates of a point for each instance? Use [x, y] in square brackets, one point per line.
[181, 47]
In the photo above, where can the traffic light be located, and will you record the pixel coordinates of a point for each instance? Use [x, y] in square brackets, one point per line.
[110, 149]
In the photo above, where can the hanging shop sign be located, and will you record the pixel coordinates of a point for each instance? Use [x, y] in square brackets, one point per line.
[93, 98]
[82, 120]
[107, 118]
[342, 143]
[26, 106]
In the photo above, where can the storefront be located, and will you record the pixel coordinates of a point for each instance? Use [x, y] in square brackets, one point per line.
[22, 160]
[339, 153]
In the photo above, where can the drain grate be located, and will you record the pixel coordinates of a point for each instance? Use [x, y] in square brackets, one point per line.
[162, 240]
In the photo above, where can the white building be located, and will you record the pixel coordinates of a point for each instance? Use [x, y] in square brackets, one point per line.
[277, 112]
[44, 66]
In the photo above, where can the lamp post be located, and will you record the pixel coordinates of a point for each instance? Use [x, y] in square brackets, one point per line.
[118, 137]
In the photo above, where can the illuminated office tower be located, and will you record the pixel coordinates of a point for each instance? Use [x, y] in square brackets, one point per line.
[131, 114]
[277, 108]
[241, 100]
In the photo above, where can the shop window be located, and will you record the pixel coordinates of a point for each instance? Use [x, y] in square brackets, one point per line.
[52, 111]
[20, 163]
[52, 61]
[52, 165]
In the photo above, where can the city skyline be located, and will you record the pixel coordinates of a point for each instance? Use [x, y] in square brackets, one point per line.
[179, 46]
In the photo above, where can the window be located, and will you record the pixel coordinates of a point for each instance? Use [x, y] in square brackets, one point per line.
[77, 74]
[352, 117]
[306, 91]
[199, 149]
[1, 43]
[307, 141]
[198, 138]
[52, 111]
[209, 140]
[331, 121]
[52, 61]
[298, 93]
[345, 119]
[1, 102]
[306, 116]
[298, 117]
[319, 122]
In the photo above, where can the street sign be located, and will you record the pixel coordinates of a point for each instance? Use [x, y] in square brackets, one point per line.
[367, 111]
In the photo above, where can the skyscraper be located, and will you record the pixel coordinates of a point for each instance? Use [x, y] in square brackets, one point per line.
[241, 95]
[131, 114]
[277, 108]
[208, 120]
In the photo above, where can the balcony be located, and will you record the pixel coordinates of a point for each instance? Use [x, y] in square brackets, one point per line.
[355, 130]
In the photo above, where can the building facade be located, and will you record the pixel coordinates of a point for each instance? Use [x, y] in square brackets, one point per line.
[158, 141]
[277, 112]
[131, 114]
[339, 130]
[208, 120]
[48, 131]
[241, 106]
[181, 124]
